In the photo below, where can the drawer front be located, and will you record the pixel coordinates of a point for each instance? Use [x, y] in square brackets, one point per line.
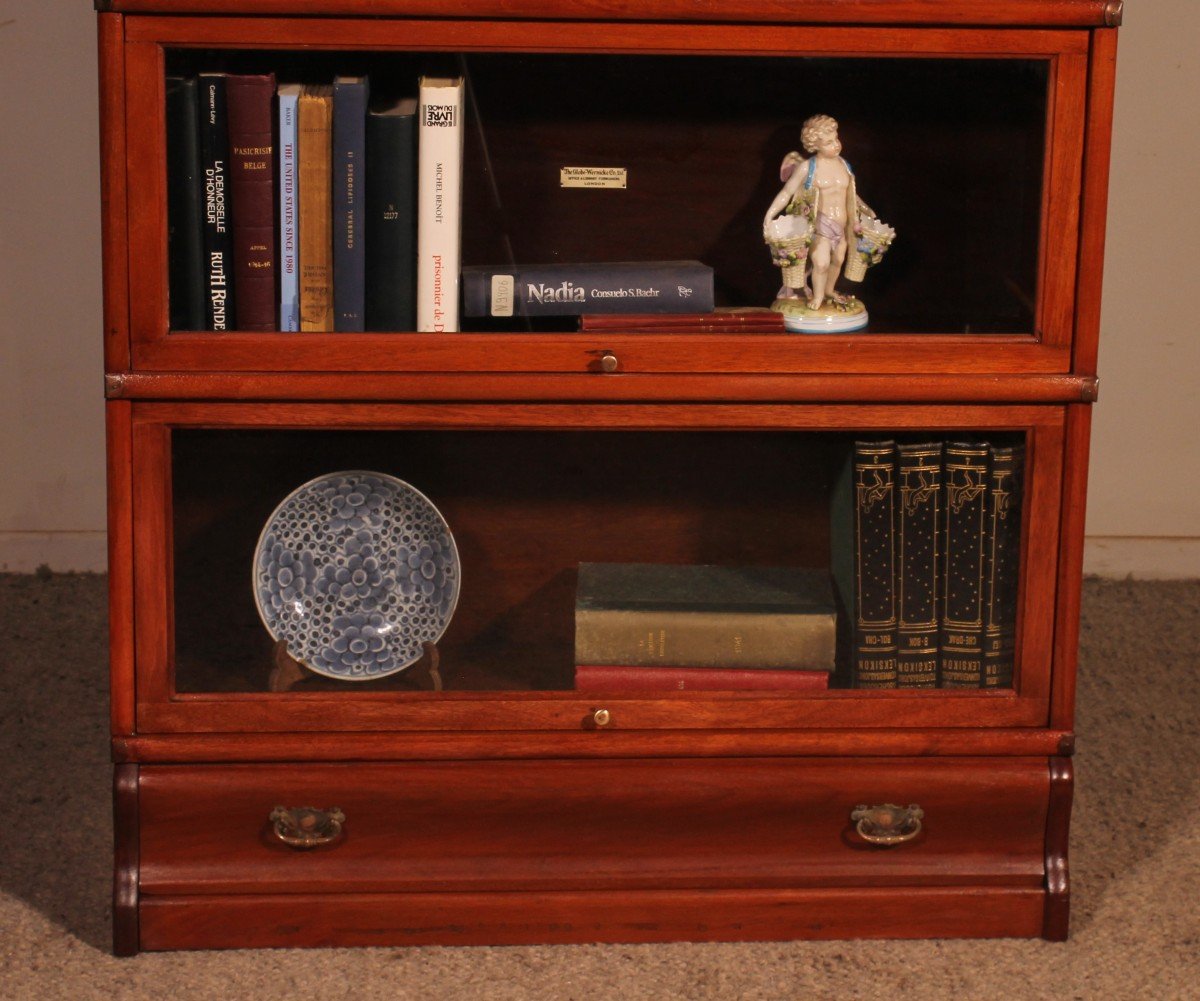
[633, 824]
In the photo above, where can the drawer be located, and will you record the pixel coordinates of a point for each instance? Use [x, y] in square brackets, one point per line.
[572, 825]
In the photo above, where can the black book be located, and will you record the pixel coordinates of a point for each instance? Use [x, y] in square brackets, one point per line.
[863, 524]
[965, 476]
[391, 216]
[185, 206]
[349, 202]
[1003, 569]
[572, 289]
[218, 232]
[919, 470]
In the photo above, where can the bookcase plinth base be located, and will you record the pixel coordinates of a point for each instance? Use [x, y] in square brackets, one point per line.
[235, 922]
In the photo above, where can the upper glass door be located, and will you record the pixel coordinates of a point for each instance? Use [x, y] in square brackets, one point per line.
[966, 143]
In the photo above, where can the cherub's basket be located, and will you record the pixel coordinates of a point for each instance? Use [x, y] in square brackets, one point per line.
[856, 266]
[793, 248]
[789, 237]
[875, 236]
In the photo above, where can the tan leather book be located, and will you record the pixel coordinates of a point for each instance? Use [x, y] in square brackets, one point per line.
[316, 208]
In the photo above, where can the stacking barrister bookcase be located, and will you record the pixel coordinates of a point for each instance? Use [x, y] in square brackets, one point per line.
[490, 800]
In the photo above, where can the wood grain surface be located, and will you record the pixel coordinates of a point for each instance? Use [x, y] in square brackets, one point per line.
[552, 825]
[992, 13]
[324, 746]
[299, 920]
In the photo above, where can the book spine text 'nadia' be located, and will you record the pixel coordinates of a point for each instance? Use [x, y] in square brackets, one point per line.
[572, 289]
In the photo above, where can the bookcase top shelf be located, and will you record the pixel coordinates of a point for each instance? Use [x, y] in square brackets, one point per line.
[982, 13]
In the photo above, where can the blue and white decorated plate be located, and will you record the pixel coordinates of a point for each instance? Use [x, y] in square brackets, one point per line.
[355, 571]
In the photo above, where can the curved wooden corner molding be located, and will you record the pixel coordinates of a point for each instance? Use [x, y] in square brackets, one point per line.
[1057, 912]
[1114, 13]
[125, 867]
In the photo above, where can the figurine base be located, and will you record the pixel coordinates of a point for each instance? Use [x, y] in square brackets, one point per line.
[830, 318]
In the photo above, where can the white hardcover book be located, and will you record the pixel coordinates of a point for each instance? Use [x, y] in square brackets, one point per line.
[289, 190]
[439, 203]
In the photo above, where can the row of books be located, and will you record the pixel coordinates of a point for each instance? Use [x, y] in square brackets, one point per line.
[658, 627]
[314, 208]
[927, 541]
[307, 207]
[926, 546]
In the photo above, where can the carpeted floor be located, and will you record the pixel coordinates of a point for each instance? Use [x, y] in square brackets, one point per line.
[1135, 855]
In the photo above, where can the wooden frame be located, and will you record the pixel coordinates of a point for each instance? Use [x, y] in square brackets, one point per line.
[1046, 351]
[1043, 13]
[160, 709]
[787, 761]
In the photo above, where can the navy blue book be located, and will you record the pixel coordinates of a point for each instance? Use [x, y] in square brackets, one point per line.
[965, 480]
[863, 560]
[349, 202]
[918, 538]
[218, 230]
[573, 289]
[392, 216]
[1002, 564]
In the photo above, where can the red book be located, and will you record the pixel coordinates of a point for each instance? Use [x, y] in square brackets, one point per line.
[252, 184]
[606, 678]
[753, 320]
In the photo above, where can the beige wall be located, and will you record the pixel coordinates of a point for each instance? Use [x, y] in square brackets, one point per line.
[51, 409]
[1143, 511]
[1143, 514]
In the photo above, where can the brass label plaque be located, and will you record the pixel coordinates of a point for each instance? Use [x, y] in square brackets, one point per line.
[591, 177]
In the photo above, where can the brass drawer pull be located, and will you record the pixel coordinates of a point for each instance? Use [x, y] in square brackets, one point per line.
[307, 827]
[887, 824]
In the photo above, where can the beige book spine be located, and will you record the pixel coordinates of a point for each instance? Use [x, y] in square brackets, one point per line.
[645, 637]
[316, 208]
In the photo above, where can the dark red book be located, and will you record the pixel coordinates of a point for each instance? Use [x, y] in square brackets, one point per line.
[252, 180]
[608, 678]
[753, 320]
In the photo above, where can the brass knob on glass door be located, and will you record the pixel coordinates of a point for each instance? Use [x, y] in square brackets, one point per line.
[608, 362]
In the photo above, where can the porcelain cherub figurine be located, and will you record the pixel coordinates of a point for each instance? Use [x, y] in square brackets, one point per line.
[816, 226]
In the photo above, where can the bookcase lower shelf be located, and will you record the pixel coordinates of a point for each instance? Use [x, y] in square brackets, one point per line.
[631, 850]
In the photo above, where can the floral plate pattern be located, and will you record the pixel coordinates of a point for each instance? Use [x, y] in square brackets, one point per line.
[355, 571]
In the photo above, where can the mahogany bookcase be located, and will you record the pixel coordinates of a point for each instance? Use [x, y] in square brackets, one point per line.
[510, 808]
